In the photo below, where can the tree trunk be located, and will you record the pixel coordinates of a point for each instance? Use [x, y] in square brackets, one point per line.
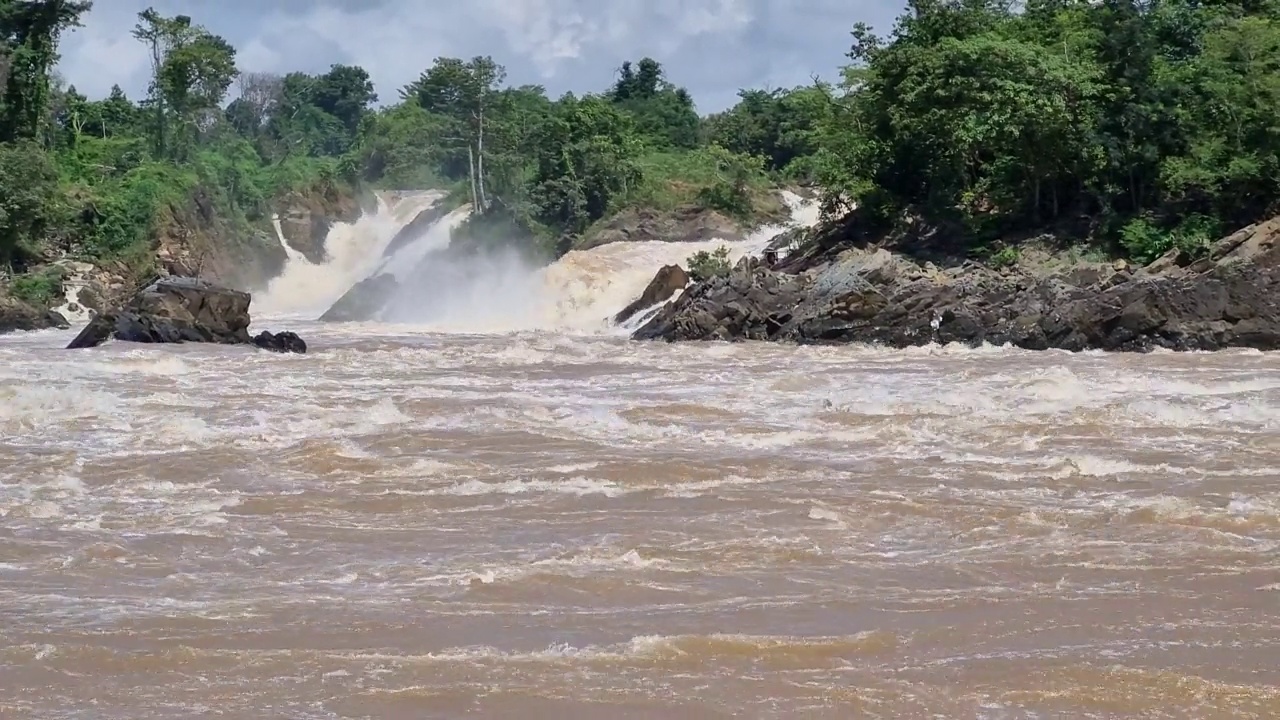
[484, 202]
[471, 172]
[157, 60]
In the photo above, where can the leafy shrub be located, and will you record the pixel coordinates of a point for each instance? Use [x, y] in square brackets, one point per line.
[28, 197]
[733, 200]
[1144, 241]
[124, 214]
[42, 289]
[1006, 256]
[705, 265]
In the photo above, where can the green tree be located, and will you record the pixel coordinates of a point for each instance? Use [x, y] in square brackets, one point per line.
[192, 70]
[664, 114]
[463, 92]
[29, 35]
[731, 192]
[1231, 166]
[782, 126]
[345, 92]
[28, 205]
[306, 114]
[401, 146]
[586, 160]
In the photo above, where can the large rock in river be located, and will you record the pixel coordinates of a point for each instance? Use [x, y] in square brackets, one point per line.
[176, 310]
[364, 301]
[18, 315]
[669, 280]
[1229, 298]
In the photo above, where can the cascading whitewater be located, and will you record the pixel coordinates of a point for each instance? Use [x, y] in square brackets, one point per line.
[418, 283]
[354, 251]
[502, 292]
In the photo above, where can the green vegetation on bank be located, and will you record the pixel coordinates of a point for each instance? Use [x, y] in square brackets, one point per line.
[1132, 127]
[705, 265]
[100, 179]
[1139, 126]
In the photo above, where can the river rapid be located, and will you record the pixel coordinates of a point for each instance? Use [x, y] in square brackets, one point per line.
[408, 523]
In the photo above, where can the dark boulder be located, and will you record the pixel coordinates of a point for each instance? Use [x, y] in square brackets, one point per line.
[285, 342]
[364, 301]
[668, 281]
[18, 315]
[174, 310]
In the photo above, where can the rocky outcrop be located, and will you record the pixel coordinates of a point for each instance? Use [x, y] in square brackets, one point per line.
[17, 315]
[1229, 298]
[364, 301]
[689, 224]
[199, 239]
[195, 239]
[669, 280]
[176, 310]
[305, 220]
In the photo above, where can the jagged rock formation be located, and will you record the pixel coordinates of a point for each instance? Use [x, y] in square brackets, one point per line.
[417, 227]
[684, 225]
[1228, 298]
[305, 220]
[669, 280]
[18, 315]
[176, 310]
[364, 301]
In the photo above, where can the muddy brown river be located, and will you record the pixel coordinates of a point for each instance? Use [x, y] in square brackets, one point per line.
[406, 524]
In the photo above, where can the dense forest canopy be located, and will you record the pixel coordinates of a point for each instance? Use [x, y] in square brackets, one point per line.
[1136, 126]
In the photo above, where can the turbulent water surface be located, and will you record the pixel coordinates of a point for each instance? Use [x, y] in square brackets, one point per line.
[408, 524]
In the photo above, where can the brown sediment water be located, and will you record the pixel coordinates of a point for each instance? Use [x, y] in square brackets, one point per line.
[414, 524]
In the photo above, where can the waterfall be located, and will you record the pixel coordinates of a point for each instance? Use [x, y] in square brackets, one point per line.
[354, 251]
[580, 292]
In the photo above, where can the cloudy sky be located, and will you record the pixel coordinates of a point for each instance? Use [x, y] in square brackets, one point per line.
[713, 47]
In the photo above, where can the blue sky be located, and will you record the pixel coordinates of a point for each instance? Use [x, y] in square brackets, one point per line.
[713, 47]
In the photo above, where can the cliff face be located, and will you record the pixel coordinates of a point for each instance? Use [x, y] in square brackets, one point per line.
[197, 241]
[192, 240]
[686, 223]
[689, 224]
[305, 218]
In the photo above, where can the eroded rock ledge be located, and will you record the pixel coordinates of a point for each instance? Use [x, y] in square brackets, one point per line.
[1229, 298]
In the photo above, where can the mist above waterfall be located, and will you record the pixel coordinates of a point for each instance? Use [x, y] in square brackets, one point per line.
[420, 280]
[490, 291]
[500, 290]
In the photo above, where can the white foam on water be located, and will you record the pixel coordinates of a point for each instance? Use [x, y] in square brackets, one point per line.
[636, 497]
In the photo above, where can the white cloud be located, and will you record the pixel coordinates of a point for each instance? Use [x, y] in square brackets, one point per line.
[103, 53]
[713, 47]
